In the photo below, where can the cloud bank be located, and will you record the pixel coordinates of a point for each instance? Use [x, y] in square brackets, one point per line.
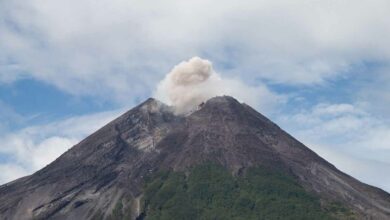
[115, 49]
[31, 148]
[347, 136]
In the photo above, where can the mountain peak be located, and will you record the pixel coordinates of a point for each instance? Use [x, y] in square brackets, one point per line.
[110, 166]
[219, 105]
[222, 100]
[152, 105]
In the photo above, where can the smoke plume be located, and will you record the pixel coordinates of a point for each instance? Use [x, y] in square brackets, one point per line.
[188, 84]
[194, 81]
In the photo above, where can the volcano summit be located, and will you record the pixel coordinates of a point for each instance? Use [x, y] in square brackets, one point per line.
[222, 161]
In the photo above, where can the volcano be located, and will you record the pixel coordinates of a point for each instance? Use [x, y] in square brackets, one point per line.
[224, 160]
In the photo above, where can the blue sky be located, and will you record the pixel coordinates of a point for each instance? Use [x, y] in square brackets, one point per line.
[320, 69]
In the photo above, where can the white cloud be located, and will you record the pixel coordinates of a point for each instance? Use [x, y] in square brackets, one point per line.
[347, 136]
[373, 93]
[31, 148]
[10, 172]
[369, 171]
[117, 48]
[8, 116]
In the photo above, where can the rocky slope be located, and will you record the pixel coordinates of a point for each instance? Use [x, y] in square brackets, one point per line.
[109, 166]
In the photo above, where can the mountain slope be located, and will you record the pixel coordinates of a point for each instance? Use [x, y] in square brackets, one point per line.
[110, 166]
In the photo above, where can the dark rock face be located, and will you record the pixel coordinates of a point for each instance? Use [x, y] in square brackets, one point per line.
[109, 166]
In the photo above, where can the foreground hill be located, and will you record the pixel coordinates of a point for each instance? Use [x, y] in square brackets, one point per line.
[223, 161]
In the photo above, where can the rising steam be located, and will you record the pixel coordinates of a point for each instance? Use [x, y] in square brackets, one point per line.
[188, 84]
[194, 81]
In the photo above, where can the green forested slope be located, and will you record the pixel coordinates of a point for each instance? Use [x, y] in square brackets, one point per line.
[211, 192]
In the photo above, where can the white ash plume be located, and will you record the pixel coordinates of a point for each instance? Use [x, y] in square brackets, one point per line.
[193, 82]
[189, 84]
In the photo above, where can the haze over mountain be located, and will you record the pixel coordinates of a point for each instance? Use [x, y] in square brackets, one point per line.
[114, 173]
